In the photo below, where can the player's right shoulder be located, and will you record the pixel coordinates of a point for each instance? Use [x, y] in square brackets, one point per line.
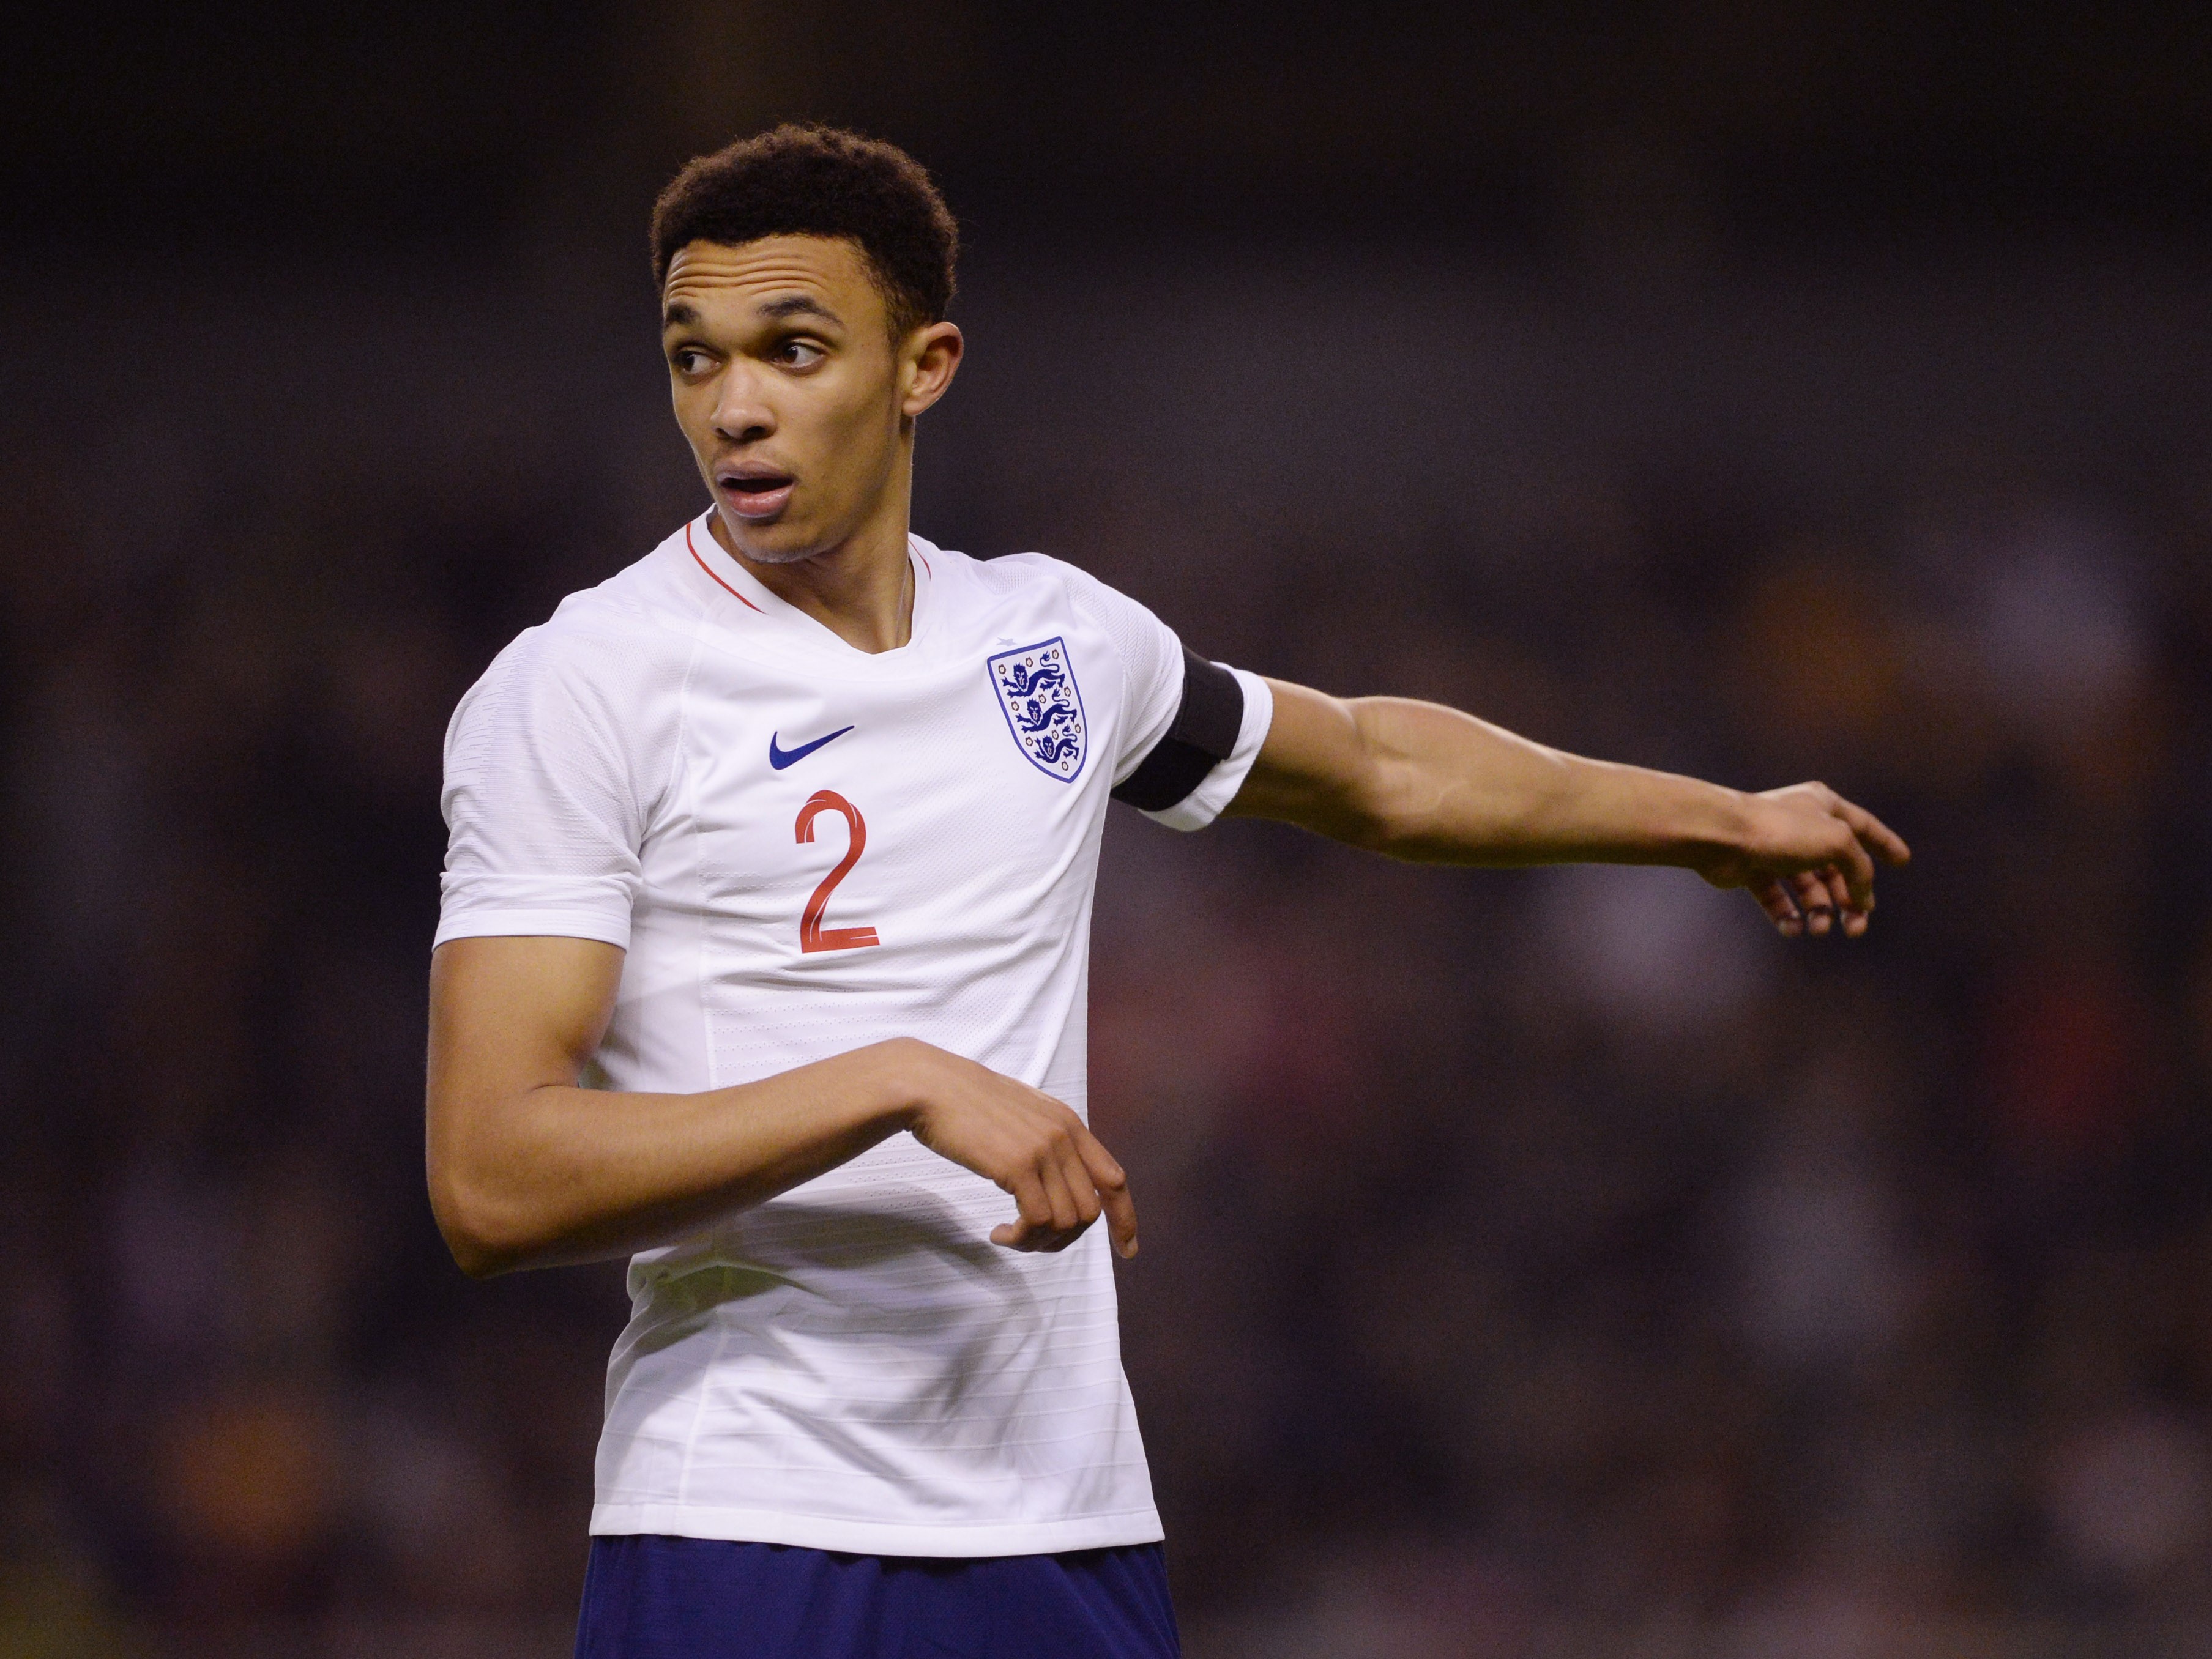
[621, 645]
[633, 624]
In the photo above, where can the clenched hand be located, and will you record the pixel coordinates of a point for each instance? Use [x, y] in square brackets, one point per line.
[1030, 1145]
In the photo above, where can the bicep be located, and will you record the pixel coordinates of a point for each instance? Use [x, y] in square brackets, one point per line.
[1316, 767]
[511, 1013]
[512, 1017]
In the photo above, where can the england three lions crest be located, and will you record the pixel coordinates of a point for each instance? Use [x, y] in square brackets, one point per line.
[1043, 706]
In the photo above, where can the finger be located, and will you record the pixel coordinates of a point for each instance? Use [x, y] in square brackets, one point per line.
[1080, 1186]
[1112, 1183]
[1849, 917]
[1023, 1234]
[1774, 899]
[1811, 894]
[1856, 865]
[1807, 892]
[1839, 891]
[1066, 1171]
[1883, 842]
[1030, 1199]
[1035, 1241]
[1066, 1217]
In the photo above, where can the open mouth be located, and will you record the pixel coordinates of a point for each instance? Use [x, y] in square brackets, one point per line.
[754, 494]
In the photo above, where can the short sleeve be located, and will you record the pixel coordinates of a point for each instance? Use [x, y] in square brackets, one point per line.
[1220, 769]
[1190, 728]
[553, 763]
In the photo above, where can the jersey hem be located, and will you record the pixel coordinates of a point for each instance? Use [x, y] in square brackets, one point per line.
[745, 1526]
[534, 924]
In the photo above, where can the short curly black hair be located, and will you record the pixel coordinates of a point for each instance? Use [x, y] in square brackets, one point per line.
[820, 181]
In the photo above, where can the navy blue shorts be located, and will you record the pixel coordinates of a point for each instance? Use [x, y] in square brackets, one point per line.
[650, 1597]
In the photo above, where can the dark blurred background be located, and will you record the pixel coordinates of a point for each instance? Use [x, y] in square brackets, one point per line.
[1548, 1263]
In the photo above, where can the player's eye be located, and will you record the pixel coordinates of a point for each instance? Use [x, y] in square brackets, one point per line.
[797, 354]
[689, 359]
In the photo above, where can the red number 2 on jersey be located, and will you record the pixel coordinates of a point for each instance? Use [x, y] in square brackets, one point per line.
[812, 936]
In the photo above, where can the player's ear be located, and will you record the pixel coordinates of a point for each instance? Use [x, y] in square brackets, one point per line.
[928, 358]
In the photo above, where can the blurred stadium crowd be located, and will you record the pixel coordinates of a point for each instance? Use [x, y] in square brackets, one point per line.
[1534, 1262]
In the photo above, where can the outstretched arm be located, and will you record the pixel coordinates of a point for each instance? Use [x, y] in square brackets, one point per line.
[1422, 782]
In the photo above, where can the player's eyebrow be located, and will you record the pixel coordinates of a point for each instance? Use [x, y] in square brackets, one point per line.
[684, 314]
[800, 304]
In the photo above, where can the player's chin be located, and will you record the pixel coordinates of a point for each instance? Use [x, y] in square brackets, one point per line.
[773, 541]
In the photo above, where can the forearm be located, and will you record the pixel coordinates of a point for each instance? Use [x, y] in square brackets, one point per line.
[1444, 787]
[560, 1174]
[1419, 781]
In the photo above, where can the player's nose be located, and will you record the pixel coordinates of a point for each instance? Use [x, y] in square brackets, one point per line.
[742, 413]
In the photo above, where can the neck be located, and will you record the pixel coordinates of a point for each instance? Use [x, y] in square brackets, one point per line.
[860, 588]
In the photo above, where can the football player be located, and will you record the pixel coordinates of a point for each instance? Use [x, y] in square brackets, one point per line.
[784, 839]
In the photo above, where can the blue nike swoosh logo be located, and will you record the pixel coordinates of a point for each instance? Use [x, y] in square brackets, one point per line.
[781, 758]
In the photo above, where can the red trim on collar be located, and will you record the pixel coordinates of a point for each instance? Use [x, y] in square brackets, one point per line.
[711, 576]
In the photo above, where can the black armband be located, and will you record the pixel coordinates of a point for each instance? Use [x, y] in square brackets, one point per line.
[1204, 735]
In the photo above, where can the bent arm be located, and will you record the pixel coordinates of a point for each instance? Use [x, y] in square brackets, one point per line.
[1422, 782]
[528, 1170]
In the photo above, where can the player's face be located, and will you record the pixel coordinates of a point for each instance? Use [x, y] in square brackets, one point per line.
[797, 402]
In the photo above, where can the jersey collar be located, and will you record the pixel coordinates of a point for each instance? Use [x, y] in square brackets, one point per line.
[715, 566]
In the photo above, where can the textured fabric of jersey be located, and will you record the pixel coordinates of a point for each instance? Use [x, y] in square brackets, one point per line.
[679, 764]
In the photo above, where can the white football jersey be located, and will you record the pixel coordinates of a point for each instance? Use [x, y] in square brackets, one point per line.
[805, 848]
